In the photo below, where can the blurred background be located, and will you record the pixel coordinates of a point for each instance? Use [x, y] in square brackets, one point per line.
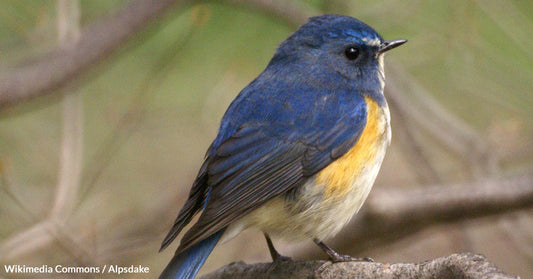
[98, 177]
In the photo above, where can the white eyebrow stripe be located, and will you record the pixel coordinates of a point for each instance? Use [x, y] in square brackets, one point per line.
[372, 42]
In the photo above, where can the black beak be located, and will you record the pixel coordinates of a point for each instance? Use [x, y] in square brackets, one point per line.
[388, 45]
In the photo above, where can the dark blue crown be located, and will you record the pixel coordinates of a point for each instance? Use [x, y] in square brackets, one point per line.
[323, 28]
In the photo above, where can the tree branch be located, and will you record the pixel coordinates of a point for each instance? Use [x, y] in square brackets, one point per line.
[454, 266]
[63, 66]
[70, 161]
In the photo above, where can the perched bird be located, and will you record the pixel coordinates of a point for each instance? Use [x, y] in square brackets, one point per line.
[298, 149]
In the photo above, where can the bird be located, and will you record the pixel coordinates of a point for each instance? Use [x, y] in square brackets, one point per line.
[298, 150]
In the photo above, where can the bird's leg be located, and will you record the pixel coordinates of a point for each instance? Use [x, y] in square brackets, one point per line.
[276, 257]
[336, 257]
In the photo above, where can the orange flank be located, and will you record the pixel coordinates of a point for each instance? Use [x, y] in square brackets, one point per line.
[339, 177]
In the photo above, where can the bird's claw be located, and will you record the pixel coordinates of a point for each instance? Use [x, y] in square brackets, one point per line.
[280, 258]
[347, 258]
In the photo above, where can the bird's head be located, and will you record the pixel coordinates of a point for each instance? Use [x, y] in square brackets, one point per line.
[339, 48]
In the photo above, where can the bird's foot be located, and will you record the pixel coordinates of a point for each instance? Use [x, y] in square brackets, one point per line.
[335, 257]
[276, 256]
[281, 258]
[338, 258]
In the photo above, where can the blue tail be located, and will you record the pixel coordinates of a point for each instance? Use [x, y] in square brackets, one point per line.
[186, 264]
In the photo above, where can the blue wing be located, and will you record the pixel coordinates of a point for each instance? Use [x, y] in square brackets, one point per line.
[268, 144]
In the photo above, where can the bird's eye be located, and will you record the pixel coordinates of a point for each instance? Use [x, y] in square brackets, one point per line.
[351, 52]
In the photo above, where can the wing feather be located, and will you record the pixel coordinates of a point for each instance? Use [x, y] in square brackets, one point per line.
[270, 177]
[248, 165]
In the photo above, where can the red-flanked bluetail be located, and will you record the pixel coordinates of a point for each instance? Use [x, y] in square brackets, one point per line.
[298, 149]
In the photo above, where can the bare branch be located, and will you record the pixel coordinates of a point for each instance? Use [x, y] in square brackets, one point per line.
[453, 266]
[27, 240]
[63, 66]
[72, 134]
[40, 235]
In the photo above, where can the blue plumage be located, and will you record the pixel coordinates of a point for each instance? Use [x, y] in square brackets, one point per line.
[304, 111]
[187, 264]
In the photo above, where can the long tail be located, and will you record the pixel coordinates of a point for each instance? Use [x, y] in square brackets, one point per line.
[186, 264]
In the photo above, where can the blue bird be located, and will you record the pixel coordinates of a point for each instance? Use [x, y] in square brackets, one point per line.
[299, 148]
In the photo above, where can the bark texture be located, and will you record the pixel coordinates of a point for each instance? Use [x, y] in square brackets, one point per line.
[464, 265]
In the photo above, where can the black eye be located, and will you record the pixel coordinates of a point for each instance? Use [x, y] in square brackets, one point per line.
[351, 52]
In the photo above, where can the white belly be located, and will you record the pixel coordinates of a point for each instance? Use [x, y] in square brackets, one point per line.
[312, 216]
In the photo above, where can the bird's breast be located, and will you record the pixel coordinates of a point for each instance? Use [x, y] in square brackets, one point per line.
[340, 177]
[337, 192]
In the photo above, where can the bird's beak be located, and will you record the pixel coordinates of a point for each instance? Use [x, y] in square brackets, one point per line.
[388, 45]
